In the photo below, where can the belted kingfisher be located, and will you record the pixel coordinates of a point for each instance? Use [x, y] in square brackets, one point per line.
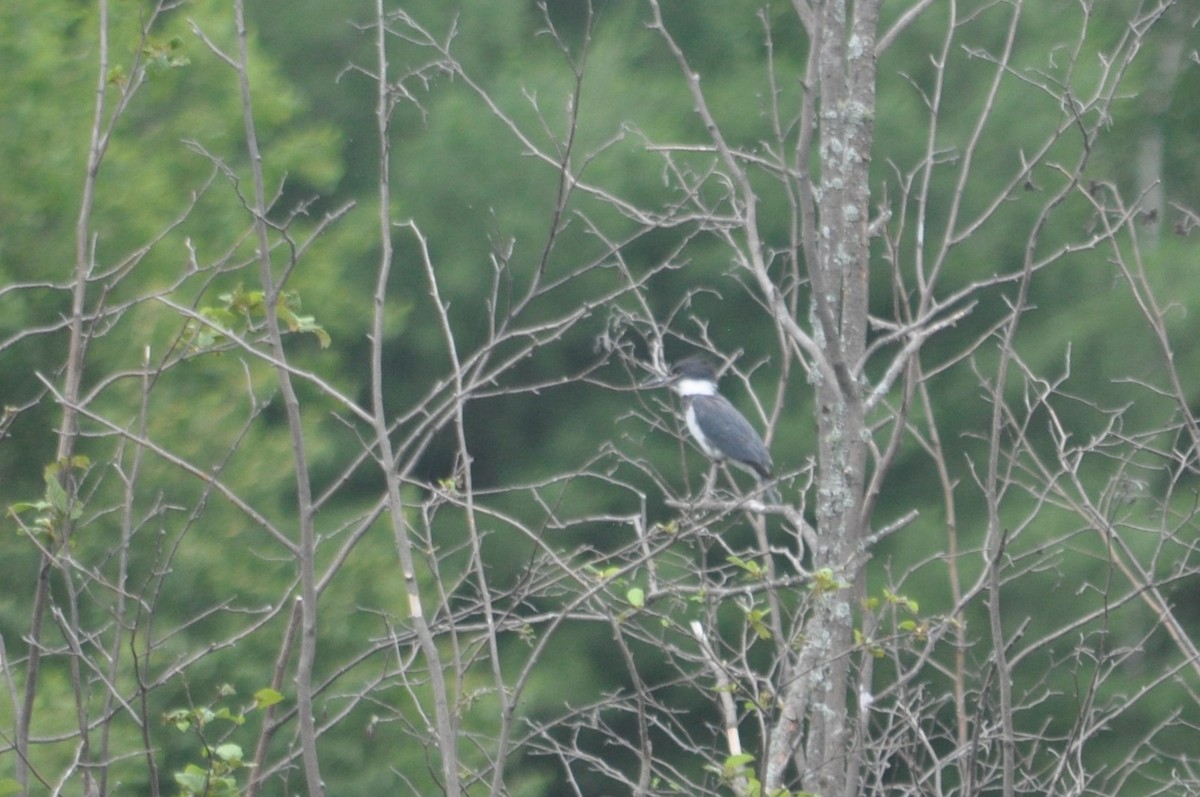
[722, 433]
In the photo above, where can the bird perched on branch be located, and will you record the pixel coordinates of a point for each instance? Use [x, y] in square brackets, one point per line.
[722, 432]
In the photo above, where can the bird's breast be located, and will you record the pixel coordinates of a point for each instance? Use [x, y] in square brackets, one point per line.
[693, 426]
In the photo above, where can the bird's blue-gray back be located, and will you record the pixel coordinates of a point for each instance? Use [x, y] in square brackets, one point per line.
[742, 443]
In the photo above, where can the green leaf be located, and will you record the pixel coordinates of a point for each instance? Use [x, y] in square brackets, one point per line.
[27, 506]
[751, 567]
[181, 718]
[737, 766]
[225, 787]
[192, 780]
[670, 527]
[636, 597]
[756, 619]
[224, 713]
[288, 307]
[161, 56]
[603, 575]
[9, 786]
[738, 761]
[229, 752]
[823, 580]
[243, 302]
[56, 496]
[266, 697]
[308, 323]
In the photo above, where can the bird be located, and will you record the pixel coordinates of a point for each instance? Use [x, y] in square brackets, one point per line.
[723, 433]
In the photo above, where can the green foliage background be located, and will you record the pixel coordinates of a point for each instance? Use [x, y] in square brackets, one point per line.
[466, 181]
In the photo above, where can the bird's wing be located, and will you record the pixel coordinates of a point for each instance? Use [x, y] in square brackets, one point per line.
[738, 439]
